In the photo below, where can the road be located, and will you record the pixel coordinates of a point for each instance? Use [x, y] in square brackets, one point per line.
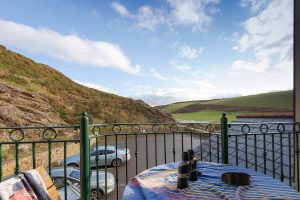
[135, 166]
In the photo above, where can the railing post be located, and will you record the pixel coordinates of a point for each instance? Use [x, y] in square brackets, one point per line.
[17, 168]
[84, 158]
[224, 137]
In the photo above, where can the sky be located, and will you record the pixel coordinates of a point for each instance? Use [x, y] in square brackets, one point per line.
[160, 51]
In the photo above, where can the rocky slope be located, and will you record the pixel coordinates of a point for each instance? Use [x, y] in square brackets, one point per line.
[36, 94]
[18, 107]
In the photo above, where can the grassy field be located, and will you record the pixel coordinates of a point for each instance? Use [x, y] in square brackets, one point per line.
[283, 99]
[211, 110]
[205, 115]
[175, 106]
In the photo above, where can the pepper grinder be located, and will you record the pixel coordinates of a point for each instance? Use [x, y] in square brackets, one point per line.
[193, 174]
[183, 171]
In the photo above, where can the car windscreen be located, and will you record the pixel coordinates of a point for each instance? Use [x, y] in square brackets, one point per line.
[75, 174]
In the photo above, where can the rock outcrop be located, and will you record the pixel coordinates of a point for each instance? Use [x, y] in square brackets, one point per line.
[20, 108]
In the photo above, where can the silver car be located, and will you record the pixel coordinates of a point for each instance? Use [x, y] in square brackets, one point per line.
[114, 156]
[73, 178]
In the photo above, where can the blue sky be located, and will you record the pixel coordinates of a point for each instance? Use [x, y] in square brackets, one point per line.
[160, 51]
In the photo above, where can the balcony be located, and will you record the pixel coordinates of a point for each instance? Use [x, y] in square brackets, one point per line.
[267, 146]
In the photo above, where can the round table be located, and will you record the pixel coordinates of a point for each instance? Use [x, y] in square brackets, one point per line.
[160, 183]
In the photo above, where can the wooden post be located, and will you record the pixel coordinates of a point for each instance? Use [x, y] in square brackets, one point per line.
[297, 84]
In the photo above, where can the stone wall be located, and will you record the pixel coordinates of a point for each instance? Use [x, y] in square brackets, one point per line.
[57, 155]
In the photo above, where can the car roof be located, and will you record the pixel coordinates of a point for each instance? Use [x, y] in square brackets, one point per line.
[109, 147]
[59, 171]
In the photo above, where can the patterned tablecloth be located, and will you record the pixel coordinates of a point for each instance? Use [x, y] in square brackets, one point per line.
[160, 183]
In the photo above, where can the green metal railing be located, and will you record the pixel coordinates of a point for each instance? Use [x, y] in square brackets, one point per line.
[268, 147]
[84, 158]
[224, 135]
[150, 144]
[40, 139]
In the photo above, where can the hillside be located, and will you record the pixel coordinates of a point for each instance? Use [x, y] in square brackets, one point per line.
[36, 94]
[274, 100]
[210, 110]
[175, 106]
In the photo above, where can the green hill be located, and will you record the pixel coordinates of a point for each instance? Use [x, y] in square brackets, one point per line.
[276, 100]
[210, 110]
[175, 106]
[33, 93]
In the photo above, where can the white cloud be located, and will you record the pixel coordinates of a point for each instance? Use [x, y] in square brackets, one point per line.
[160, 96]
[269, 34]
[157, 75]
[180, 67]
[207, 87]
[203, 85]
[183, 67]
[192, 13]
[183, 91]
[136, 89]
[199, 74]
[247, 83]
[186, 51]
[188, 13]
[119, 8]
[95, 86]
[253, 5]
[66, 47]
[233, 37]
[146, 17]
[243, 43]
[241, 66]
[149, 17]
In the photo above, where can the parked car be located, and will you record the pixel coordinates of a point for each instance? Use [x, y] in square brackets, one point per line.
[73, 178]
[112, 158]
